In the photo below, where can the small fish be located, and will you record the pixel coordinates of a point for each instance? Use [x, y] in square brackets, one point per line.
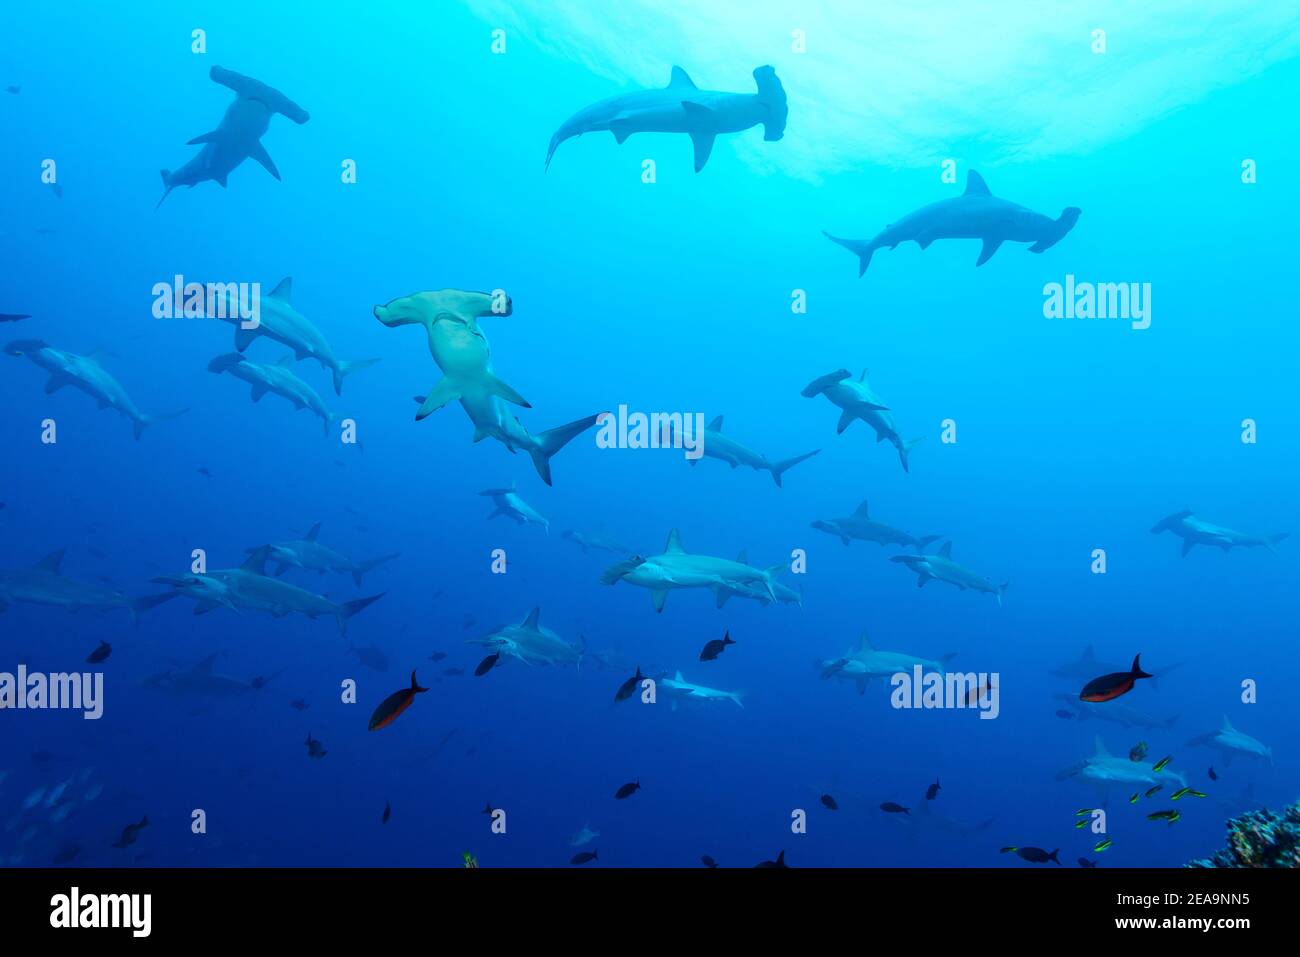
[932, 790]
[1082, 811]
[1061, 713]
[889, 807]
[1196, 794]
[438, 656]
[1179, 794]
[453, 672]
[828, 802]
[1111, 686]
[67, 853]
[1133, 799]
[1102, 845]
[779, 862]
[1162, 764]
[388, 812]
[716, 647]
[1213, 775]
[583, 858]
[627, 688]
[708, 862]
[15, 90]
[131, 833]
[470, 859]
[488, 809]
[1151, 792]
[1036, 855]
[627, 790]
[204, 470]
[314, 749]
[1084, 862]
[100, 654]
[33, 799]
[487, 664]
[392, 706]
[299, 705]
[1138, 751]
[1081, 823]
[1170, 816]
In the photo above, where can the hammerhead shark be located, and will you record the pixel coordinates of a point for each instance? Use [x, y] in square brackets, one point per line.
[1106, 771]
[975, 214]
[942, 568]
[532, 643]
[1230, 743]
[676, 568]
[858, 401]
[280, 322]
[859, 525]
[200, 680]
[682, 107]
[863, 663]
[723, 447]
[278, 379]
[1195, 532]
[506, 501]
[87, 375]
[238, 136]
[461, 350]
[679, 689]
[43, 584]
[308, 553]
[597, 540]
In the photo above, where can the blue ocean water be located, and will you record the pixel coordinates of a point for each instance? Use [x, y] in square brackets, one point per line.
[673, 296]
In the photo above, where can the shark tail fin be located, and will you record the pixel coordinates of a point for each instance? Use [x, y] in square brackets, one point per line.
[138, 425]
[926, 540]
[905, 450]
[552, 440]
[371, 565]
[772, 95]
[862, 248]
[736, 696]
[350, 608]
[1002, 590]
[1060, 226]
[780, 467]
[144, 603]
[1272, 540]
[346, 367]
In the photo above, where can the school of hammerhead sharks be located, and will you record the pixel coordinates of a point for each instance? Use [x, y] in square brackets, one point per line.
[450, 319]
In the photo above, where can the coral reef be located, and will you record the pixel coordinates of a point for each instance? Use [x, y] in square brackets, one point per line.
[1260, 839]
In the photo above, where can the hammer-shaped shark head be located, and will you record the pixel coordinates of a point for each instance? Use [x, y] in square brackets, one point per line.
[20, 347]
[456, 304]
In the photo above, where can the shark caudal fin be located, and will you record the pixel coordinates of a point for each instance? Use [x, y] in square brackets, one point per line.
[772, 95]
[862, 248]
[138, 425]
[346, 367]
[926, 540]
[368, 566]
[350, 608]
[1002, 590]
[1062, 225]
[778, 468]
[905, 450]
[1271, 542]
[140, 605]
[249, 89]
[552, 440]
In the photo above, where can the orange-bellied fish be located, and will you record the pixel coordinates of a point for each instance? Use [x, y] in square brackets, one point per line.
[1111, 686]
[395, 704]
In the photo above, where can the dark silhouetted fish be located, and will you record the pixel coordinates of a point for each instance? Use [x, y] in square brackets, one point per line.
[299, 705]
[628, 688]
[488, 809]
[131, 833]
[708, 862]
[453, 672]
[314, 748]
[370, 656]
[67, 853]
[716, 647]
[1035, 855]
[779, 862]
[388, 812]
[100, 654]
[487, 664]
[205, 471]
[583, 858]
[1084, 862]
[932, 790]
[1213, 776]
[13, 316]
[394, 705]
[438, 656]
[889, 807]
[627, 790]
[828, 802]
[1111, 686]
[1065, 714]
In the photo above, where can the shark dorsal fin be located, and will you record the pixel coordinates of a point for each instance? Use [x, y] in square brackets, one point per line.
[204, 667]
[863, 510]
[975, 185]
[256, 562]
[531, 621]
[315, 530]
[1227, 725]
[680, 79]
[284, 291]
[863, 377]
[1100, 748]
[674, 546]
[678, 677]
[51, 562]
[864, 643]
[716, 425]
[743, 558]
[946, 550]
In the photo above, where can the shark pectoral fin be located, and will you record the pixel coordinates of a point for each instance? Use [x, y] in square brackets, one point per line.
[621, 130]
[990, 247]
[57, 382]
[498, 388]
[203, 138]
[658, 597]
[442, 393]
[862, 686]
[244, 337]
[203, 607]
[1188, 545]
[721, 595]
[921, 580]
[259, 390]
[846, 419]
[701, 138]
[258, 152]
